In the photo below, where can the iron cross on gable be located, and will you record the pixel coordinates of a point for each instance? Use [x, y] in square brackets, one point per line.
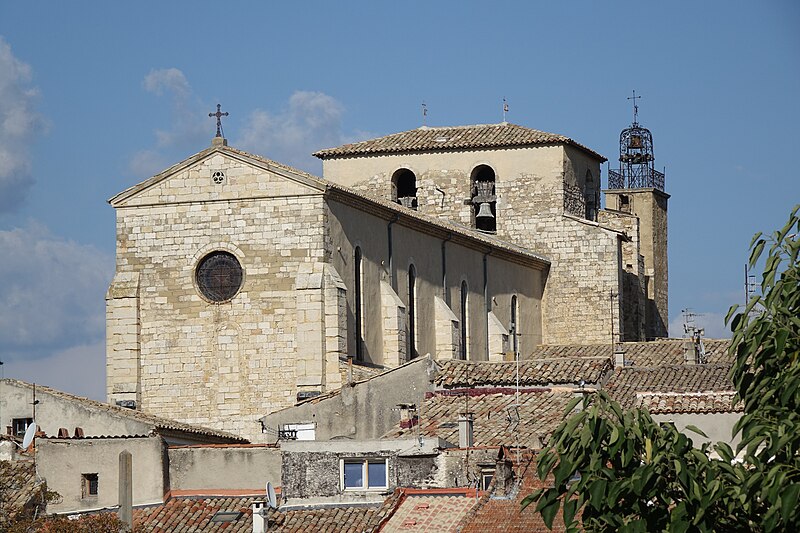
[219, 114]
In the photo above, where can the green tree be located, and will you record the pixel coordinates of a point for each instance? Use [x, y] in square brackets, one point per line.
[617, 470]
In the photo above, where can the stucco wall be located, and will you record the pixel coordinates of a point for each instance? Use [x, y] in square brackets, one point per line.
[223, 467]
[364, 411]
[62, 462]
[718, 426]
[53, 412]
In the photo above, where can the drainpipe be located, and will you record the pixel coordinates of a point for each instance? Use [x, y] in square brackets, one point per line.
[389, 240]
[486, 296]
[445, 294]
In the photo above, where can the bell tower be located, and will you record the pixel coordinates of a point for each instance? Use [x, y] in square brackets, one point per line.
[638, 188]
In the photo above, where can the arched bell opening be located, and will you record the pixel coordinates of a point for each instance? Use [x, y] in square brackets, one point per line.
[404, 188]
[484, 200]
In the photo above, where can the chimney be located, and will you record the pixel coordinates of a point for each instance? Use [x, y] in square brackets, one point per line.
[466, 422]
[259, 517]
[619, 357]
[125, 511]
[408, 415]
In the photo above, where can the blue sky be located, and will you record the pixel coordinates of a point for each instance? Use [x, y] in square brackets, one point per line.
[96, 96]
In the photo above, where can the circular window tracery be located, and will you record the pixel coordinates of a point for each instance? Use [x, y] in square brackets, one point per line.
[219, 276]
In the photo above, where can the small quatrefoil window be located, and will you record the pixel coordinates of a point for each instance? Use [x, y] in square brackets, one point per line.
[218, 177]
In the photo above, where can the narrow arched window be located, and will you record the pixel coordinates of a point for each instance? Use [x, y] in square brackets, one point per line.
[464, 321]
[404, 188]
[484, 201]
[358, 303]
[514, 325]
[412, 312]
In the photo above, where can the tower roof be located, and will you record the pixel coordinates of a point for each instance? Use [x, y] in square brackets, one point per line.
[479, 136]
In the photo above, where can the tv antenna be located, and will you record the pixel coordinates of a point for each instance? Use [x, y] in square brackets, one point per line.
[505, 109]
[424, 113]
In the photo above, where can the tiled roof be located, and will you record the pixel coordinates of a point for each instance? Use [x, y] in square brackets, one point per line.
[20, 489]
[626, 382]
[190, 515]
[532, 373]
[688, 402]
[505, 515]
[186, 515]
[650, 353]
[112, 410]
[540, 412]
[479, 136]
[430, 511]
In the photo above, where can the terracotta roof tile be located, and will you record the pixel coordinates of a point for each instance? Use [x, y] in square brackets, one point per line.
[540, 412]
[532, 373]
[479, 136]
[433, 513]
[625, 383]
[650, 353]
[505, 514]
[193, 515]
[21, 489]
[688, 402]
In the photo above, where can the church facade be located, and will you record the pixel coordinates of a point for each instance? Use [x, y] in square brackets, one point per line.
[242, 285]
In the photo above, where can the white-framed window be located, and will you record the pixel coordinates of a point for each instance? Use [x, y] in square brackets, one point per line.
[364, 474]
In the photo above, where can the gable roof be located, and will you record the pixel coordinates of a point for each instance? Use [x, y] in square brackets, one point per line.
[540, 412]
[626, 382]
[456, 373]
[156, 422]
[647, 353]
[439, 139]
[267, 164]
[422, 222]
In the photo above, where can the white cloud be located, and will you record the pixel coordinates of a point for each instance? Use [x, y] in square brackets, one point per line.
[311, 121]
[189, 123]
[19, 125]
[712, 323]
[52, 294]
[80, 370]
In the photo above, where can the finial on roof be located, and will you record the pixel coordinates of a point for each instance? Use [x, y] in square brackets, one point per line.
[424, 113]
[635, 108]
[219, 114]
[505, 109]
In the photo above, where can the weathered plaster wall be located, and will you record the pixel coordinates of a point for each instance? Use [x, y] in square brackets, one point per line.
[201, 468]
[364, 411]
[61, 462]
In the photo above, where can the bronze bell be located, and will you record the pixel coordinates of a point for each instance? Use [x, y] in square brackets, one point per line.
[484, 211]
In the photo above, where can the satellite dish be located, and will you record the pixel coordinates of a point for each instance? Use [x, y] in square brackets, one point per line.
[273, 502]
[29, 434]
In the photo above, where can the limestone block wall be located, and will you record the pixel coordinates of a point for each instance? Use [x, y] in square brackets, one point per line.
[448, 340]
[633, 274]
[393, 311]
[542, 196]
[122, 339]
[224, 365]
[498, 339]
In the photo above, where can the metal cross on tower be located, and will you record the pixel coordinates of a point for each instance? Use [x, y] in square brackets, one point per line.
[219, 114]
[635, 108]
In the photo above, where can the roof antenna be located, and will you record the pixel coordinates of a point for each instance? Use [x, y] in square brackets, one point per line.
[505, 109]
[424, 113]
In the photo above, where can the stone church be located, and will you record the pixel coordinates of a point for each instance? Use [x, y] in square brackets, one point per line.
[242, 284]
